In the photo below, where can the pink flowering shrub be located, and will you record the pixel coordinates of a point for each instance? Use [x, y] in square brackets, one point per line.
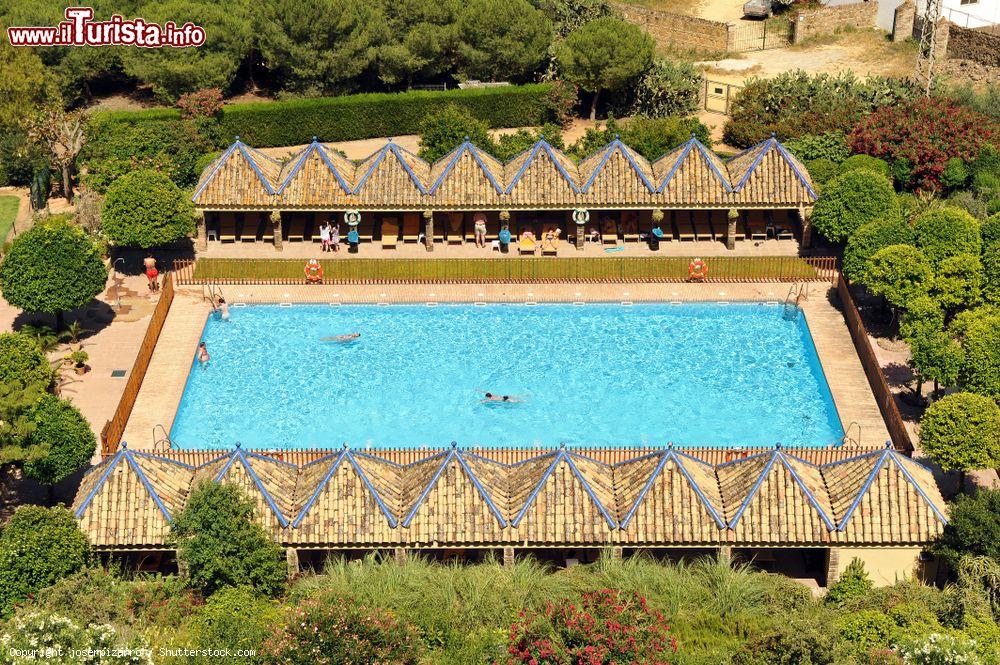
[200, 103]
[337, 629]
[918, 136]
[605, 626]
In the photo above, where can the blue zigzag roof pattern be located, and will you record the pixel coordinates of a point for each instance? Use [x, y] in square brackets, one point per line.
[716, 497]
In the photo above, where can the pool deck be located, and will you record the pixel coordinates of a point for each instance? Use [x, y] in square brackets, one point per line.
[163, 387]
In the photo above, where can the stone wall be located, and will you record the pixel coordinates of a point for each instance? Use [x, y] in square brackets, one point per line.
[677, 30]
[902, 23]
[825, 20]
[975, 45]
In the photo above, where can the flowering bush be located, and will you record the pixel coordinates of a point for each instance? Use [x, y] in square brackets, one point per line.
[605, 626]
[36, 637]
[336, 629]
[200, 104]
[924, 134]
[939, 649]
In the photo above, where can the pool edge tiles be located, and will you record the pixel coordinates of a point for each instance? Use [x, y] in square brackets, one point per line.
[554, 413]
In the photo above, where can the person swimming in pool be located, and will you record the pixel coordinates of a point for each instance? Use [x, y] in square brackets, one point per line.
[203, 356]
[342, 338]
[508, 399]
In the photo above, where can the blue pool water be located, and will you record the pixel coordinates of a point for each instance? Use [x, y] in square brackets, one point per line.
[593, 375]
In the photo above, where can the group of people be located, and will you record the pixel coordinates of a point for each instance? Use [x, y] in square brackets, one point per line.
[329, 236]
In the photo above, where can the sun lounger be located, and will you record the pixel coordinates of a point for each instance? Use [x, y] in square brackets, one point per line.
[526, 245]
[756, 226]
[411, 227]
[609, 232]
[390, 232]
[295, 228]
[455, 225]
[550, 247]
[784, 227]
[702, 225]
[227, 227]
[682, 220]
[630, 227]
[366, 228]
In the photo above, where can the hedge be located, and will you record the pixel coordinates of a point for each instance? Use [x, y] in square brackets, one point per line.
[352, 117]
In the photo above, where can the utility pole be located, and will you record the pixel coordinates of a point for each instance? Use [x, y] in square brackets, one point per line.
[927, 54]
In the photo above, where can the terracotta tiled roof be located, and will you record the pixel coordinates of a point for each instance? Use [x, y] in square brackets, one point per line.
[455, 498]
[616, 176]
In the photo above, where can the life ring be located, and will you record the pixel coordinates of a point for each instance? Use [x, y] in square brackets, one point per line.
[314, 271]
[697, 269]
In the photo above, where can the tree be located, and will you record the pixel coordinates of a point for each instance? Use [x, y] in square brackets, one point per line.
[174, 71]
[973, 528]
[444, 130]
[63, 133]
[502, 39]
[22, 361]
[961, 432]
[60, 429]
[568, 15]
[666, 88]
[870, 238]
[511, 144]
[933, 353]
[221, 544]
[852, 200]
[52, 268]
[958, 282]
[423, 40]
[321, 46]
[146, 209]
[900, 273]
[650, 137]
[38, 546]
[25, 85]
[604, 54]
[946, 231]
[867, 163]
[981, 369]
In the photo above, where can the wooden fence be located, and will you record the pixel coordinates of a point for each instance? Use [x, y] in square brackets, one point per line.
[507, 270]
[111, 433]
[873, 370]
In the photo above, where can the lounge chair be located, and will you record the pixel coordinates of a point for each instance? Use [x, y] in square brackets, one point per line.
[526, 245]
[702, 225]
[390, 232]
[227, 227]
[756, 226]
[630, 227]
[366, 228]
[784, 228]
[550, 247]
[411, 227]
[295, 228]
[455, 224]
[609, 232]
[685, 231]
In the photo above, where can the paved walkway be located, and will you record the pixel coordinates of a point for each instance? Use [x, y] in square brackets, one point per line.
[164, 385]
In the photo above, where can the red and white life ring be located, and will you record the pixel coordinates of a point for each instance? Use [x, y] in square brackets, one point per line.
[697, 270]
[314, 271]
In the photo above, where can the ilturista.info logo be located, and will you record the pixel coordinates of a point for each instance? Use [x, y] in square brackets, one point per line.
[79, 29]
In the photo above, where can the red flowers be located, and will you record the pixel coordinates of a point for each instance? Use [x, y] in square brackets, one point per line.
[918, 136]
[606, 626]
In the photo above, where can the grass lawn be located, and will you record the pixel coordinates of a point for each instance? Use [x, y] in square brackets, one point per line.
[610, 269]
[8, 211]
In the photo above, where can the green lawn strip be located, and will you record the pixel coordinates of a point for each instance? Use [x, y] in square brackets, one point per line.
[8, 213]
[611, 269]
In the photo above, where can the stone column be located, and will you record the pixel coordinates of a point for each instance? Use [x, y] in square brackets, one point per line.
[292, 561]
[799, 28]
[201, 233]
[399, 554]
[832, 565]
[902, 22]
[276, 223]
[581, 229]
[616, 552]
[726, 553]
[734, 215]
[804, 214]
[508, 556]
[429, 230]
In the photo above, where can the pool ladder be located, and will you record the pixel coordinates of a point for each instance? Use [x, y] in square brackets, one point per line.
[798, 292]
[164, 443]
[848, 440]
[211, 293]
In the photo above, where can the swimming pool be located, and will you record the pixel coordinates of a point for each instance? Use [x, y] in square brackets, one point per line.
[595, 375]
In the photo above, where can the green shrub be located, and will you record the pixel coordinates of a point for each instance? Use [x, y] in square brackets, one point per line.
[973, 528]
[443, 131]
[146, 209]
[22, 361]
[821, 170]
[955, 174]
[52, 268]
[92, 595]
[958, 282]
[865, 162]
[981, 370]
[40, 637]
[831, 146]
[38, 546]
[852, 200]
[795, 642]
[154, 600]
[968, 202]
[222, 545]
[870, 238]
[61, 429]
[853, 583]
[946, 231]
[962, 432]
[991, 273]
[237, 618]
[990, 230]
[340, 630]
[666, 88]
[900, 273]
[865, 630]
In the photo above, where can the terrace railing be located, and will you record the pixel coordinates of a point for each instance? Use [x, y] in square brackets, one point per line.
[873, 370]
[507, 270]
[111, 433]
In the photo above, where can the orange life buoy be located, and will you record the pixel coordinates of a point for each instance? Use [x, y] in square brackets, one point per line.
[697, 269]
[314, 271]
